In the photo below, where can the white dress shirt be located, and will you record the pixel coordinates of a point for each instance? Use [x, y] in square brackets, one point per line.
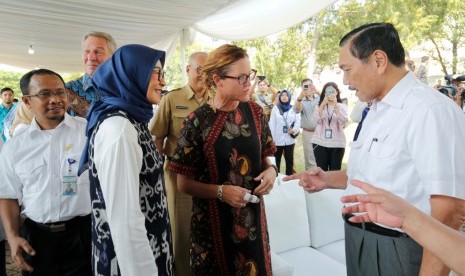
[33, 164]
[412, 143]
[278, 121]
[118, 159]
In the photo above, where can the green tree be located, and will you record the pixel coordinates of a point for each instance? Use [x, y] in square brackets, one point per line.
[11, 79]
[281, 58]
[421, 22]
[71, 76]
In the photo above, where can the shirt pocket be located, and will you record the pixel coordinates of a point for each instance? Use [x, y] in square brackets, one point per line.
[382, 150]
[30, 174]
[383, 161]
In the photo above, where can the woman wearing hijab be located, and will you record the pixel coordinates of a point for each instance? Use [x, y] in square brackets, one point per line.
[222, 161]
[285, 126]
[130, 226]
[329, 139]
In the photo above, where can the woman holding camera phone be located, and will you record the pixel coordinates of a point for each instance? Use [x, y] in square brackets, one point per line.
[329, 140]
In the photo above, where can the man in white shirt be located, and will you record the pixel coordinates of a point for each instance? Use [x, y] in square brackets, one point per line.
[411, 143]
[38, 181]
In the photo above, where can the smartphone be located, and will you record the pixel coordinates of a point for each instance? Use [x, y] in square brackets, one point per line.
[261, 78]
[253, 73]
[305, 86]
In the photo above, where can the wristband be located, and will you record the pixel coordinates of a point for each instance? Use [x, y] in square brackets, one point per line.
[219, 193]
[299, 100]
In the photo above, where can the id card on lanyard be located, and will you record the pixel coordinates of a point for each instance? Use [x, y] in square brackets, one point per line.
[329, 131]
[69, 185]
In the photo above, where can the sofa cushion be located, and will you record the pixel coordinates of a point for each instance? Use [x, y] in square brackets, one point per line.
[280, 267]
[309, 261]
[287, 218]
[336, 250]
[325, 217]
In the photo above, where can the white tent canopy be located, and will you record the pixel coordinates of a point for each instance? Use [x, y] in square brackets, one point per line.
[55, 28]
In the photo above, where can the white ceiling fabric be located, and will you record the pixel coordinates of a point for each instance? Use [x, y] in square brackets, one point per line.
[55, 28]
[248, 19]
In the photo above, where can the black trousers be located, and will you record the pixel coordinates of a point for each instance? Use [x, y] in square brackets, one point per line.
[288, 156]
[328, 159]
[60, 253]
[2, 258]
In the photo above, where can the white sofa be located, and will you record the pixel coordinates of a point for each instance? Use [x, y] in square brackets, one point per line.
[306, 231]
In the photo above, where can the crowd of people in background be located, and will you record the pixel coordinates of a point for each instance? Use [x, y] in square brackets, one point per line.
[184, 195]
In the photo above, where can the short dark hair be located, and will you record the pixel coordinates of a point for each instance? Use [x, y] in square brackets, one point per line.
[305, 80]
[26, 79]
[6, 89]
[375, 36]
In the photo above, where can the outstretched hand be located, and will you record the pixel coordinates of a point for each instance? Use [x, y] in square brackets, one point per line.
[377, 205]
[312, 180]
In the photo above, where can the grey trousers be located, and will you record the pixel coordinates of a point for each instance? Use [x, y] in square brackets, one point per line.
[373, 254]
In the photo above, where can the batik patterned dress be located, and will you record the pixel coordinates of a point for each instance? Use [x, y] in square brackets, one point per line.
[226, 148]
[153, 204]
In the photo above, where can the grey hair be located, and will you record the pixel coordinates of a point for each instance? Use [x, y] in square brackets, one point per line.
[110, 41]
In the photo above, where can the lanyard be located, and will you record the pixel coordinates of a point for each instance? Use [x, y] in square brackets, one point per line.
[329, 118]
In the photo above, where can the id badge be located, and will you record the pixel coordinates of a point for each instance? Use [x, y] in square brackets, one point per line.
[285, 129]
[328, 133]
[69, 184]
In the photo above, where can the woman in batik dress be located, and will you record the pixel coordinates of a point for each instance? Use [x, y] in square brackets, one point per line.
[222, 161]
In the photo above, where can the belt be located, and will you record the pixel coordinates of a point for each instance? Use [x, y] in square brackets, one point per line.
[60, 226]
[309, 129]
[375, 228]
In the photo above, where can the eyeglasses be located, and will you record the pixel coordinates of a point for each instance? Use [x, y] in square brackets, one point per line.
[160, 72]
[242, 79]
[198, 69]
[47, 94]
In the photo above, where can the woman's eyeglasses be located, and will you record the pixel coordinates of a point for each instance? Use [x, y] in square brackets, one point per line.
[160, 72]
[242, 79]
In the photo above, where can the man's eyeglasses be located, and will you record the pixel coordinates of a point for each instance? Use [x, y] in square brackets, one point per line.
[198, 69]
[242, 79]
[47, 94]
[160, 72]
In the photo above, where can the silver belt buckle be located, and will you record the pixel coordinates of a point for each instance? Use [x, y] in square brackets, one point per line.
[57, 227]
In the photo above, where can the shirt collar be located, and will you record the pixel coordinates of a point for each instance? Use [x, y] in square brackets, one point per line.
[190, 94]
[398, 94]
[67, 122]
[87, 82]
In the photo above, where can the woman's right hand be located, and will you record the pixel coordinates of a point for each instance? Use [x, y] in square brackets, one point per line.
[234, 195]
